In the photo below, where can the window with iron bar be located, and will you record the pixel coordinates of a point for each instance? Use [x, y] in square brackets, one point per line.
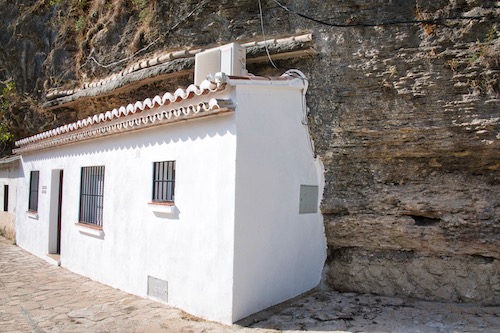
[92, 195]
[33, 197]
[6, 198]
[164, 181]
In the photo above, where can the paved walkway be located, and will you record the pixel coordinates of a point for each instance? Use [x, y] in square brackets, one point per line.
[38, 297]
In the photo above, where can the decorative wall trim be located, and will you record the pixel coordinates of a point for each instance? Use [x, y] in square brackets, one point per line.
[83, 130]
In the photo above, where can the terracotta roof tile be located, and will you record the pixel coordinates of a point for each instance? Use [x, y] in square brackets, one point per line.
[169, 56]
[205, 88]
[127, 117]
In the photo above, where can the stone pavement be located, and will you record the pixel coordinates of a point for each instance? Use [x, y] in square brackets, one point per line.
[38, 297]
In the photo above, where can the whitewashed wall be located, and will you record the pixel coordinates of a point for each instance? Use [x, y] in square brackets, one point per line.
[237, 243]
[9, 175]
[279, 253]
[192, 249]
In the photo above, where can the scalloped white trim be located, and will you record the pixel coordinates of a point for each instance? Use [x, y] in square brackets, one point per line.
[179, 95]
[51, 138]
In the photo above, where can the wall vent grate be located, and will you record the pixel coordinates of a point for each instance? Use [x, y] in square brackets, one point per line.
[158, 289]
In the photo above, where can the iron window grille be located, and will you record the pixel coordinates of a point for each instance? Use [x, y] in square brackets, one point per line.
[92, 195]
[6, 198]
[33, 197]
[164, 181]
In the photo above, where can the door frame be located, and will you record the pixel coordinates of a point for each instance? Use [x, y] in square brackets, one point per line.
[55, 215]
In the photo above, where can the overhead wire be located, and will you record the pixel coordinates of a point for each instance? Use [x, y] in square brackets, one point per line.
[264, 35]
[374, 24]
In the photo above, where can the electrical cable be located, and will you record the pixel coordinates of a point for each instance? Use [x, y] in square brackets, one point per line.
[305, 110]
[298, 74]
[346, 25]
[264, 35]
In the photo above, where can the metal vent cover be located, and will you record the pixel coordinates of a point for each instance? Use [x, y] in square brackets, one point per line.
[158, 288]
[308, 199]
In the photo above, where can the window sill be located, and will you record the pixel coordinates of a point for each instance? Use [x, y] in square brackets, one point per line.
[32, 214]
[162, 207]
[90, 230]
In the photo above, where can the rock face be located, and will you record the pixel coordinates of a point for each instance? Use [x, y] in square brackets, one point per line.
[410, 143]
[405, 116]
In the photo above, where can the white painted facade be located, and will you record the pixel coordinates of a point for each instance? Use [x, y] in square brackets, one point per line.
[9, 176]
[233, 244]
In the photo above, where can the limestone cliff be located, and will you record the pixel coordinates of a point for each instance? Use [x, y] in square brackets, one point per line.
[404, 102]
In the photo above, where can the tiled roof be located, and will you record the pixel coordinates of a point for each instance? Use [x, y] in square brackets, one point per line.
[8, 160]
[164, 109]
[179, 54]
[110, 120]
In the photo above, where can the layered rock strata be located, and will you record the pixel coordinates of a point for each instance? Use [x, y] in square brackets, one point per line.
[404, 100]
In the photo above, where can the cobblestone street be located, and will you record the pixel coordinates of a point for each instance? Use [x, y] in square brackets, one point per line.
[36, 296]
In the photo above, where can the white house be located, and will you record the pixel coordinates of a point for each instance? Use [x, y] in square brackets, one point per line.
[9, 175]
[206, 199]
